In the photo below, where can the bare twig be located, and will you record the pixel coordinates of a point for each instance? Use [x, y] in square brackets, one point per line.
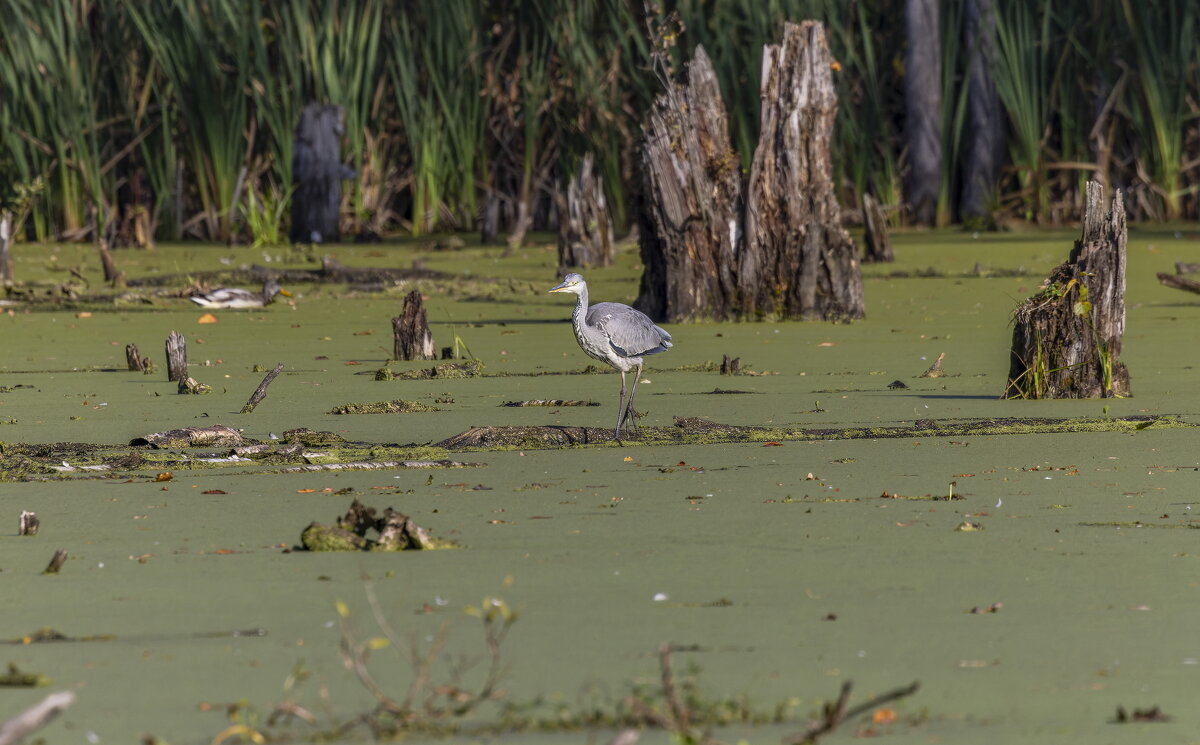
[679, 712]
[835, 713]
[35, 717]
[261, 392]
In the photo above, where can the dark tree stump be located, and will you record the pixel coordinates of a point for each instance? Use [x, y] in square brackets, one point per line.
[412, 339]
[1067, 338]
[176, 357]
[585, 229]
[877, 242]
[133, 359]
[922, 109]
[691, 194]
[318, 171]
[798, 261]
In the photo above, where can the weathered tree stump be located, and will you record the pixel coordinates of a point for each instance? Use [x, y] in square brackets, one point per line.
[28, 524]
[411, 337]
[877, 242]
[692, 202]
[133, 359]
[798, 261]
[922, 109]
[585, 229]
[176, 357]
[318, 171]
[1067, 339]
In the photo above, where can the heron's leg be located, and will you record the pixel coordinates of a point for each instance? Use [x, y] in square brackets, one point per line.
[620, 407]
[630, 414]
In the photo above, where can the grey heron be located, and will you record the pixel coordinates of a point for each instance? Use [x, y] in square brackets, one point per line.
[233, 297]
[616, 334]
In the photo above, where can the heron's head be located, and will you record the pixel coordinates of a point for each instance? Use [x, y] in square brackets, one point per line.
[571, 283]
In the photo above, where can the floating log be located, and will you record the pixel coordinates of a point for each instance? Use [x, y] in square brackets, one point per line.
[383, 465]
[798, 261]
[261, 392]
[551, 402]
[412, 339]
[585, 229]
[176, 357]
[217, 435]
[691, 189]
[1066, 340]
[318, 171]
[1183, 267]
[877, 242]
[1176, 282]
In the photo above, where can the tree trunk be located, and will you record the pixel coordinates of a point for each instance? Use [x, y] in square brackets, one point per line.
[985, 143]
[176, 357]
[6, 266]
[1067, 338]
[923, 109]
[691, 202]
[317, 171]
[797, 260]
[878, 246]
[412, 339]
[585, 229]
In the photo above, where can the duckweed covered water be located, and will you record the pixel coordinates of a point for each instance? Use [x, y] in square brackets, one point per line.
[779, 563]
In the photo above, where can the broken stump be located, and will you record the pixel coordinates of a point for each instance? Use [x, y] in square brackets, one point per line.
[176, 357]
[877, 244]
[412, 339]
[1066, 340]
[585, 228]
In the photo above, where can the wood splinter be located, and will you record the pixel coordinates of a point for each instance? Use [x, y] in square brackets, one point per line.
[261, 392]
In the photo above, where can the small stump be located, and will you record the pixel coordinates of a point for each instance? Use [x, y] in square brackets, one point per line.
[411, 337]
[395, 532]
[1067, 339]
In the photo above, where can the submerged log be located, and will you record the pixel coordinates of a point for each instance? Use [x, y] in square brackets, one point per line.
[318, 171]
[411, 337]
[877, 242]
[692, 202]
[1174, 281]
[798, 261]
[187, 437]
[1066, 340]
[585, 228]
[176, 357]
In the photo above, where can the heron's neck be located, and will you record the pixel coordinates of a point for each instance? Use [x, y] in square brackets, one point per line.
[581, 306]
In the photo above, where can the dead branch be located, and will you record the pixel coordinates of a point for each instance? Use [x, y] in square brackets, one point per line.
[35, 717]
[261, 392]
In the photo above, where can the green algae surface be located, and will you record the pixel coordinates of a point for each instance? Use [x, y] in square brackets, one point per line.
[784, 563]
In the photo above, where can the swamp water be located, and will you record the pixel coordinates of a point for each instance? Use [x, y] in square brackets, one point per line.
[777, 563]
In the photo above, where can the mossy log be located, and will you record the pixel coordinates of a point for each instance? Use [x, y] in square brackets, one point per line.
[1066, 340]
[691, 202]
[189, 437]
[797, 261]
[585, 227]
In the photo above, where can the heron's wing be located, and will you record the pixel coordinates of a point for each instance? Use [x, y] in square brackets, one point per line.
[629, 331]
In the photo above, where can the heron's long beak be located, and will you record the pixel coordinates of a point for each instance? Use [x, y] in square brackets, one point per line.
[559, 288]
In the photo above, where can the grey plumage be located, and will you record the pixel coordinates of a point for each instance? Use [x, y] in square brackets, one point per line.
[616, 334]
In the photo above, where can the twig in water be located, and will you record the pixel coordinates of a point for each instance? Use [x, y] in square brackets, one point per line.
[261, 392]
[837, 712]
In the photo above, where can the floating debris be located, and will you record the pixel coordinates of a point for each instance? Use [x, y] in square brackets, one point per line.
[395, 532]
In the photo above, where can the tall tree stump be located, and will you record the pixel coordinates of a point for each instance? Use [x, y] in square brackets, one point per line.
[318, 171]
[1067, 339]
[411, 337]
[877, 242]
[691, 202]
[798, 261]
[585, 228]
[176, 357]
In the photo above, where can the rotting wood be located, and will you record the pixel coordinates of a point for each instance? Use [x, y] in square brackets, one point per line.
[585, 227]
[1066, 340]
[217, 435]
[1184, 267]
[190, 385]
[550, 402]
[1176, 282]
[395, 532]
[397, 406]
[935, 370]
[377, 466]
[261, 391]
[35, 717]
[28, 524]
[133, 358]
[731, 366]
[690, 220]
[412, 339]
[176, 357]
[56, 562]
[877, 243]
[798, 262]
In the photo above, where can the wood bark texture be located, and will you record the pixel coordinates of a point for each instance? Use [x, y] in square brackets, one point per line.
[585, 228]
[176, 356]
[691, 202]
[318, 171]
[877, 242]
[922, 107]
[1067, 339]
[797, 260]
[412, 339]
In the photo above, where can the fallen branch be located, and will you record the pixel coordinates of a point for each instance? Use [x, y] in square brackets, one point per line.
[551, 402]
[835, 713]
[35, 717]
[1178, 283]
[261, 392]
[377, 466]
[217, 435]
